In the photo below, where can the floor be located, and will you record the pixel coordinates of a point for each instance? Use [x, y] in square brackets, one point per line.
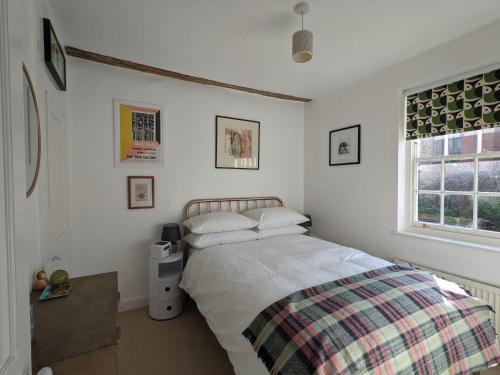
[181, 346]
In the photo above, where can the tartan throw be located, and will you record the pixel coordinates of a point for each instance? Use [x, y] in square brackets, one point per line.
[392, 320]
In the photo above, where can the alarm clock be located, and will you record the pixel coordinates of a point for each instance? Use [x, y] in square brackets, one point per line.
[160, 249]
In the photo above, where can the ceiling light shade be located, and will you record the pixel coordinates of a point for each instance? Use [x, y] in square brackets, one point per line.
[302, 50]
[302, 44]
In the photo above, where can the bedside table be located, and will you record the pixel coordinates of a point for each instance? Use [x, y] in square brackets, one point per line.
[165, 297]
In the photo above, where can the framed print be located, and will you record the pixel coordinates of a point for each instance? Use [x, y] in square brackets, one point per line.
[141, 192]
[138, 134]
[237, 143]
[345, 145]
[54, 55]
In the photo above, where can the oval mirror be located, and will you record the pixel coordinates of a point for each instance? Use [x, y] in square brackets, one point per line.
[32, 137]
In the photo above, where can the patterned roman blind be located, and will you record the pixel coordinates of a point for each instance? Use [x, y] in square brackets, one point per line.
[469, 104]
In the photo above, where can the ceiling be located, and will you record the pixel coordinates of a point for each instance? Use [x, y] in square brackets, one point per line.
[248, 42]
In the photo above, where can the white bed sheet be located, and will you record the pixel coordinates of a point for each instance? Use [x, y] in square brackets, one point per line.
[233, 283]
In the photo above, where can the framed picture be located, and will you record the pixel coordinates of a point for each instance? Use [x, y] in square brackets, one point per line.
[141, 192]
[138, 134]
[237, 143]
[345, 145]
[54, 55]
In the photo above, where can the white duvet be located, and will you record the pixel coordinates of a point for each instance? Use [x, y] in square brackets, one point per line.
[233, 283]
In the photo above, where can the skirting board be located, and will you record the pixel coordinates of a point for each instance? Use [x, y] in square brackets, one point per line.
[133, 303]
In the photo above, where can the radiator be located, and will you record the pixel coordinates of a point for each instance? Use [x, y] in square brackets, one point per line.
[486, 292]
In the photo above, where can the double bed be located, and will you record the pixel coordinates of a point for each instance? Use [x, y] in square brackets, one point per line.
[232, 283]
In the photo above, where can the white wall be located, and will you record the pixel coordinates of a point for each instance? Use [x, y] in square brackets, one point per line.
[106, 235]
[357, 205]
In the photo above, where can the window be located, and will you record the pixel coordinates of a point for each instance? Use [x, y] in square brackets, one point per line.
[456, 182]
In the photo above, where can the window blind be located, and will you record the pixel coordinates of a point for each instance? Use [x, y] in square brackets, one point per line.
[465, 105]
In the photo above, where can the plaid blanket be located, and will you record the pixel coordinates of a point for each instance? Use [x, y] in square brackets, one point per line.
[392, 320]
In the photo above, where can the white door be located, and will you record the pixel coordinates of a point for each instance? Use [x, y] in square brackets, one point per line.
[14, 280]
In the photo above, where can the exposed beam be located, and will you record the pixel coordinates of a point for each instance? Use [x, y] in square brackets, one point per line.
[109, 60]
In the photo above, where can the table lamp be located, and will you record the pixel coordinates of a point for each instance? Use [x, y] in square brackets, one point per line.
[171, 232]
[308, 223]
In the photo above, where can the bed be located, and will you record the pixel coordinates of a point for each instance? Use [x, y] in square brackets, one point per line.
[231, 284]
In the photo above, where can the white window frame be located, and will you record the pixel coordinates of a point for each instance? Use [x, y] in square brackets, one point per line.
[468, 234]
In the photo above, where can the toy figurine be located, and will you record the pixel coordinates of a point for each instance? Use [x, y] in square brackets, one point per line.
[41, 281]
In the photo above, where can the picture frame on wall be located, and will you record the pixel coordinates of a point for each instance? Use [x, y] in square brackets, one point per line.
[237, 143]
[141, 192]
[54, 55]
[345, 146]
[138, 133]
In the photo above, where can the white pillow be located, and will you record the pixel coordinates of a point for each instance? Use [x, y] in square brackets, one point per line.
[218, 222]
[200, 241]
[293, 229]
[275, 217]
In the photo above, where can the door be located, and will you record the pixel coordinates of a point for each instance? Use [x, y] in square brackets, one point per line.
[15, 351]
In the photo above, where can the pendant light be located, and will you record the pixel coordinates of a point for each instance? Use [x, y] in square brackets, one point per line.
[302, 48]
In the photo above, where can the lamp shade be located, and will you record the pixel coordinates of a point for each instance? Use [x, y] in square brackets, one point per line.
[171, 232]
[308, 223]
[302, 48]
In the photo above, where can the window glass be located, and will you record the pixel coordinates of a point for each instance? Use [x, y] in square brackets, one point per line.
[491, 140]
[488, 216]
[429, 210]
[462, 143]
[458, 210]
[432, 146]
[459, 175]
[489, 175]
[429, 176]
[457, 185]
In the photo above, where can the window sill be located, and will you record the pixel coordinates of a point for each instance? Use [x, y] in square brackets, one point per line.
[451, 241]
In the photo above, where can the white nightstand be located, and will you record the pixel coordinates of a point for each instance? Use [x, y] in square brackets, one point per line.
[165, 297]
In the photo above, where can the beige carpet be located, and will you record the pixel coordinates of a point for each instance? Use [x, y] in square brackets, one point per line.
[181, 346]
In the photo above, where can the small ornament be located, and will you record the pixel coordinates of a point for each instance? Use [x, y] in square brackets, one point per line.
[58, 278]
[41, 280]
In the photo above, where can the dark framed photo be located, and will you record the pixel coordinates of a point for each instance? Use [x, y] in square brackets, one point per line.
[345, 145]
[237, 143]
[141, 192]
[54, 55]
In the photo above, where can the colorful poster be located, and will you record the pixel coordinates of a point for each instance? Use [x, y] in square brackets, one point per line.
[138, 134]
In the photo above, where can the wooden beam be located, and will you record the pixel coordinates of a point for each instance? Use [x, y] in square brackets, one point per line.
[109, 60]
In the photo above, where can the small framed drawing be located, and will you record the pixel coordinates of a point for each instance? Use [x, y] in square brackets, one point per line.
[141, 192]
[237, 143]
[54, 55]
[345, 145]
[138, 134]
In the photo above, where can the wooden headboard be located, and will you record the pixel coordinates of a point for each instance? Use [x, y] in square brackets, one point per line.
[201, 206]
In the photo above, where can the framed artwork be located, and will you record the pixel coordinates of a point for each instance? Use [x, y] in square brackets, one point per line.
[345, 145]
[138, 134]
[54, 55]
[237, 143]
[141, 192]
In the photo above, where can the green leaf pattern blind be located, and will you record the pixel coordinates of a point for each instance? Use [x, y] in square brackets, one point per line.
[469, 104]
